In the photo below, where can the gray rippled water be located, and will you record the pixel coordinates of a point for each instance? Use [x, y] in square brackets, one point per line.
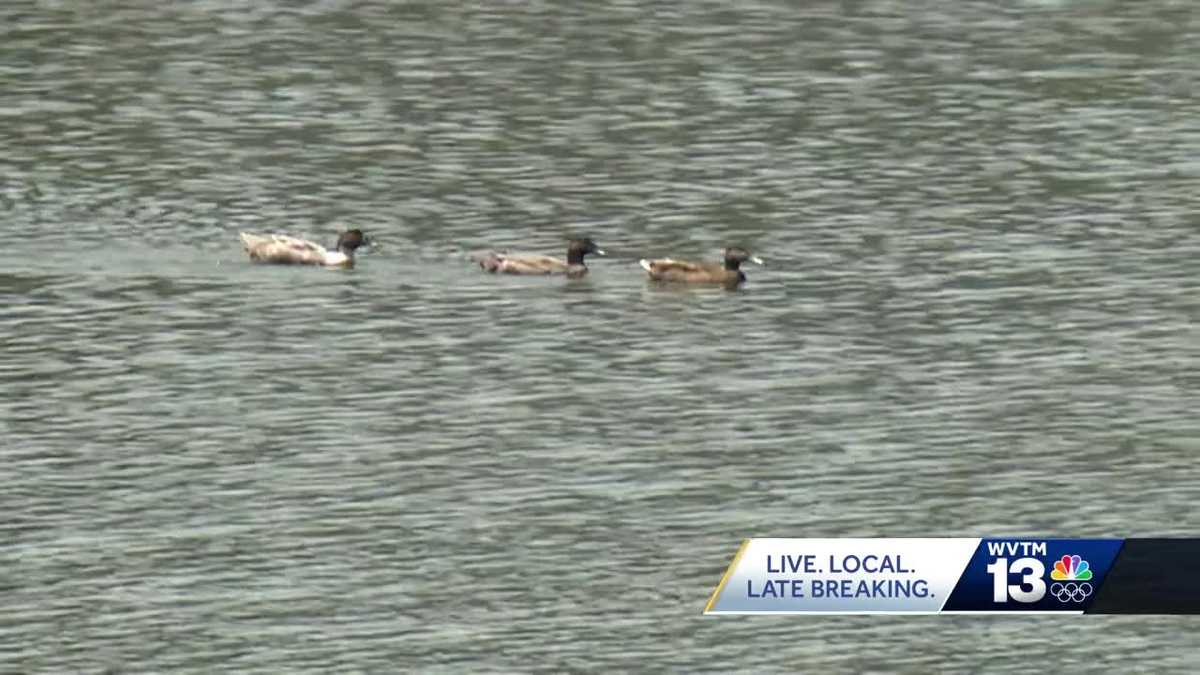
[978, 316]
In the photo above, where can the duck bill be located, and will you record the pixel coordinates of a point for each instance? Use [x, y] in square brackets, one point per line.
[599, 252]
[757, 260]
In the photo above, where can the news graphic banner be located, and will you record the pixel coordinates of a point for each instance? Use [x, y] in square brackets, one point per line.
[961, 575]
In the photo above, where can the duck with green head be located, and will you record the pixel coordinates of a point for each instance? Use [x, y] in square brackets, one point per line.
[533, 263]
[281, 249]
[728, 273]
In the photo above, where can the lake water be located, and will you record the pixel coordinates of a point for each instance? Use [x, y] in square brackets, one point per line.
[978, 315]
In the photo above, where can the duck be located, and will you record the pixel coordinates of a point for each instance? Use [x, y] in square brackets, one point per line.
[729, 274]
[532, 263]
[282, 249]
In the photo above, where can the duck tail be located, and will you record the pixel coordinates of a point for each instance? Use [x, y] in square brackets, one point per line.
[489, 261]
[250, 240]
[646, 265]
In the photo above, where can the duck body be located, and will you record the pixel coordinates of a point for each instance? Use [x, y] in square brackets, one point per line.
[523, 263]
[684, 271]
[533, 263]
[281, 249]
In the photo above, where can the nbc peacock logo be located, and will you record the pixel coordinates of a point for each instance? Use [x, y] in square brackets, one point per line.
[1075, 572]
[1071, 568]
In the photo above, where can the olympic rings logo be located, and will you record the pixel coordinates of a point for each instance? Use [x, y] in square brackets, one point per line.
[1071, 591]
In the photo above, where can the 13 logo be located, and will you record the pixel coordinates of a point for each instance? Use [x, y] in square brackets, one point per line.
[1071, 569]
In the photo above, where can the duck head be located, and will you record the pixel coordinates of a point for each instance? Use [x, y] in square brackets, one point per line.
[736, 255]
[577, 248]
[350, 240]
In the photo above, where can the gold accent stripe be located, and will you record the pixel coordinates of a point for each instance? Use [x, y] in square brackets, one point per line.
[712, 599]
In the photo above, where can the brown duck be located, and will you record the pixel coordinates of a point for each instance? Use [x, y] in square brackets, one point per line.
[729, 274]
[532, 263]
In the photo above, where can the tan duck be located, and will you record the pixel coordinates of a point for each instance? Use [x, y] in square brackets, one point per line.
[281, 249]
[730, 274]
[532, 263]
